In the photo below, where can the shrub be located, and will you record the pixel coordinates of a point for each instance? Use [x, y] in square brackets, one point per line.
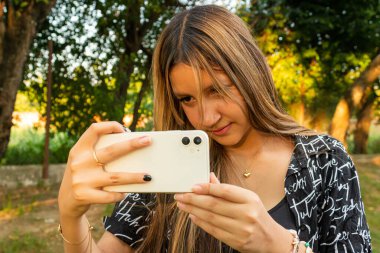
[26, 146]
[374, 144]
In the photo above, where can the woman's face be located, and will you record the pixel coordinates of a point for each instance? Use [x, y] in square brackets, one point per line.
[224, 120]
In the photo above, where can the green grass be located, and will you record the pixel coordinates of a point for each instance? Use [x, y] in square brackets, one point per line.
[369, 176]
[374, 142]
[373, 145]
[18, 242]
[108, 209]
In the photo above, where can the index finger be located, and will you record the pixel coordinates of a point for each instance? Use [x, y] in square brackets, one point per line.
[92, 134]
[228, 192]
[118, 149]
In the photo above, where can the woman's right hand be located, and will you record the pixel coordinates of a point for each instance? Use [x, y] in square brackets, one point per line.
[84, 178]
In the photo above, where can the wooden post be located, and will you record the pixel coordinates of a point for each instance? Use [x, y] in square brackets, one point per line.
[45, 167]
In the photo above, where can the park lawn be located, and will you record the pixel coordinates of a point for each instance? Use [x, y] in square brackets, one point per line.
[28, 223]
[369, 176]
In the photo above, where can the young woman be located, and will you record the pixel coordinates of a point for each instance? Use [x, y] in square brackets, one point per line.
[275, 184]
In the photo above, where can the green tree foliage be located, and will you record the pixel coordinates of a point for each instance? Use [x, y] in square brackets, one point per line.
[315, 48]
[102, 59]
[19, 22]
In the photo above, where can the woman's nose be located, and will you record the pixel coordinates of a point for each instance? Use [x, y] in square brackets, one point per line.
[210, 115]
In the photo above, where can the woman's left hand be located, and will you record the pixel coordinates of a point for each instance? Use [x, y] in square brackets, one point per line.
[235, 216]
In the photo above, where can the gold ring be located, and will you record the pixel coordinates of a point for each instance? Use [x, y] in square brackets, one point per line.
[96, 159]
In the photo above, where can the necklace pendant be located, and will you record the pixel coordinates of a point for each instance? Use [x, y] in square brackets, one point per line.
[247, 174]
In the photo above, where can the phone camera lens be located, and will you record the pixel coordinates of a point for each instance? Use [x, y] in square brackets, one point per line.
[185, 140]
[197, 140]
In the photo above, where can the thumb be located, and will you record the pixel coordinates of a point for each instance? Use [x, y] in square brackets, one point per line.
[214, 179]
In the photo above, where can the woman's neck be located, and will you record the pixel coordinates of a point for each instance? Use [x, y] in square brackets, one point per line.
[252, 145]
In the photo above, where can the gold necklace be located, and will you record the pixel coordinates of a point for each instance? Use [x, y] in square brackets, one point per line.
[247, 173]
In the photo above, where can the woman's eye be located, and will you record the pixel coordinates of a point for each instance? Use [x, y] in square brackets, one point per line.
[186, 99]
[213, 91]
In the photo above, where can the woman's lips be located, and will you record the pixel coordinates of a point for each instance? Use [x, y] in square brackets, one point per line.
[222, 130]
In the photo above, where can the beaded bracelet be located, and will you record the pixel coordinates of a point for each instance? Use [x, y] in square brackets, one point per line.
[296, 243]
[307, 246]
[80, 242]
[296, 240]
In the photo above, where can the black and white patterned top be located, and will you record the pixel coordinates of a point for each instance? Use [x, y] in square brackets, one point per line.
[322, 190]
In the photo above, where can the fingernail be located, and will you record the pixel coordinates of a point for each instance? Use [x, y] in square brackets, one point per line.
[144, 140]
[126, 129]
[196, 188]
[147, 178]
[178, 196]
[180, 205]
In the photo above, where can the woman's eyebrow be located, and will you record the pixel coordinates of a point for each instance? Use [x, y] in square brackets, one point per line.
[207, 87]
[180, 94]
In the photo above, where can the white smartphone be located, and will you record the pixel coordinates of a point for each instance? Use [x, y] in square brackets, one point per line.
[176, 160]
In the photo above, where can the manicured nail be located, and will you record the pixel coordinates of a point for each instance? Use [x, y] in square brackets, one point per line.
[126, 129]
[180, 205]
[178, 196]
[196, 188]
[144, 140]
[147, 178]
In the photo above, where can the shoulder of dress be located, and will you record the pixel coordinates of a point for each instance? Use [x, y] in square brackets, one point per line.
[316, 153]
[307, 147]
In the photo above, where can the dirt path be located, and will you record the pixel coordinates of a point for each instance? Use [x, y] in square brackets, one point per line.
[35, 222]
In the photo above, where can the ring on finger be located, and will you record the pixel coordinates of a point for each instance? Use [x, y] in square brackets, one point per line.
[96, 159]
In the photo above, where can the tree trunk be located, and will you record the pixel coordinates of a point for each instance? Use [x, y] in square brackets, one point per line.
[2, 30]
[341, 121]
[137, 105]
[45, 167]
[320, 121]
[125, 70]
[303, 104]
[135, 31]
[18, 35]
[352, 99]
[144, 88]
[364, 116]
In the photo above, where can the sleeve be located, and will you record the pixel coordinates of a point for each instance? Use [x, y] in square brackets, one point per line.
[130, 218]
[343, 226]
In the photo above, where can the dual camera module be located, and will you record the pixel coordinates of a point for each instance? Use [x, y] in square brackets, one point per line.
[197, 140]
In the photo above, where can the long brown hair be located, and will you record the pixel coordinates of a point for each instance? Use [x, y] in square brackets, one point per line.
[209, 38]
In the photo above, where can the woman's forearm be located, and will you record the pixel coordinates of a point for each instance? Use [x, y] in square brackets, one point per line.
[76, 235]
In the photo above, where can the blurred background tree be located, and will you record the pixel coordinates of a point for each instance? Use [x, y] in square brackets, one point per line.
[103, 51]
[325, 60]
[323, 54]
[19, 23]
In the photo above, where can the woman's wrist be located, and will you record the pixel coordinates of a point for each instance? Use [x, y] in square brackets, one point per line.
[68, 208]
[76, 233]
[297, 245]
[304, 248]
[77, 242]
[283, 240]
[279, 240]
[72, 213]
